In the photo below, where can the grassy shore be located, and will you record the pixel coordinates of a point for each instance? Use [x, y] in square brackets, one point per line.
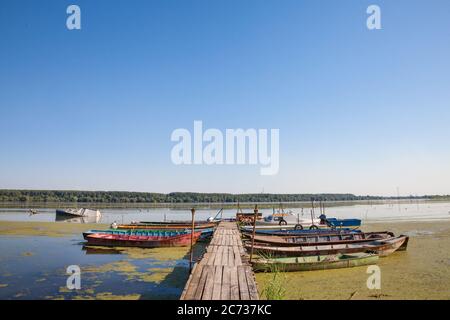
[422, 272]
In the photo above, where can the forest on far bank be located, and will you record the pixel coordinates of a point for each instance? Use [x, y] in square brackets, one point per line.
[65, 196]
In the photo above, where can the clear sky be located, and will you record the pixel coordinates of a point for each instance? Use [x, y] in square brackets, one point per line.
[359, 111]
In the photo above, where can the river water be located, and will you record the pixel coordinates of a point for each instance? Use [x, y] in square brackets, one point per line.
[34, 257]
[390, 211]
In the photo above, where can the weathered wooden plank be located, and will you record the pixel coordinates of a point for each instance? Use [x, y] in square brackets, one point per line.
[231, 261]
[217, 289]
[234, 284]
[243, 286]
[237, 256]
[209, 284]
[194, 282]
[218, 257]
[251, 283]
[188, 283]
[211, 259]
[201, 284]
[224, 256]
[226, 284]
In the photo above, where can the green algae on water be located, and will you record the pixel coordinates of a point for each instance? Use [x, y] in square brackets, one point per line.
[49, 229]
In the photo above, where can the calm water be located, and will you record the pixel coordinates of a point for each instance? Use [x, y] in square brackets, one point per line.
[35, 268]
[417, 210]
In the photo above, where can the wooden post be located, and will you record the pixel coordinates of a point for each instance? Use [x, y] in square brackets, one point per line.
[192, 240]
[254, 229]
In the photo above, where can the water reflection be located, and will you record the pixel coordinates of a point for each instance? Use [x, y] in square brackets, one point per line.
[34, 267]
[100, 250]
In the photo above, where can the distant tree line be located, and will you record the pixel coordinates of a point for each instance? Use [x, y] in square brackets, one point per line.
[175, 197]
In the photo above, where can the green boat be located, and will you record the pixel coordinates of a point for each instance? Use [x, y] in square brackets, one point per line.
[334, 261]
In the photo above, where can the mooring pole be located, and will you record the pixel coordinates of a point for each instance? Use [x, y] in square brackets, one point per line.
[254, 230]
[192, 240]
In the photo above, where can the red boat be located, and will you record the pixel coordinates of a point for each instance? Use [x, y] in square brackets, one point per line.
[115, 240]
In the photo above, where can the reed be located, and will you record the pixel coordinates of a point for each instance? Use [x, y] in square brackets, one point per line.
[275, 288]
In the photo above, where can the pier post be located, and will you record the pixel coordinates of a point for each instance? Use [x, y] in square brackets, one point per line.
[253, 233]
[192, 240]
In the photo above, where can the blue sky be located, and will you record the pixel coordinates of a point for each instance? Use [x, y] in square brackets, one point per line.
[359, 111]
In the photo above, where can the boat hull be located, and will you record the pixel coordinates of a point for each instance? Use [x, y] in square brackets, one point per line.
[166, 226]
[314, 263]
[382, 248]
[319, 239]
[205, 233]
[77, 213]
[343, 223]
[292, 232]
[109, 240]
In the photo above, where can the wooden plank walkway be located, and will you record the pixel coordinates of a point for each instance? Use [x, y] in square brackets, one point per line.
[223, 273]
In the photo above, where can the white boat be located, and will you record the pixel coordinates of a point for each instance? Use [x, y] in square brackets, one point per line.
[83, 212]
[76, 219]
[288, 220]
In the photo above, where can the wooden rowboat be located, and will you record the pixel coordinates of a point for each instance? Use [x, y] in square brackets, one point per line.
[286, 232]
[83, 212]
[335, 261]
[113, 240]
[175, 222]
[205, 233]
[153, 233]
[166, 226]
[382, 248]
[317, 239]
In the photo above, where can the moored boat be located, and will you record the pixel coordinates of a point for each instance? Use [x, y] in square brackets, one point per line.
[310, 263]
[292, 232]
[343, 223]
[152, 233]
[114, 240]
[175, 222]
[321, 238]
[83, 212]
[166, 226]
[382, 247]
[205, 233]
[336, 224]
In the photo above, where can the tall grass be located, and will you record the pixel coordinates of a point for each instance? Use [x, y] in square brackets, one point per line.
[275, 288]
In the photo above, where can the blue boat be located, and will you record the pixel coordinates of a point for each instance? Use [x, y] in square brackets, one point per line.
[340, 223]
[205, 233]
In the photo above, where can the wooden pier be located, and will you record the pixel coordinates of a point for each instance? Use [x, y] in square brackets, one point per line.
[223, 273]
